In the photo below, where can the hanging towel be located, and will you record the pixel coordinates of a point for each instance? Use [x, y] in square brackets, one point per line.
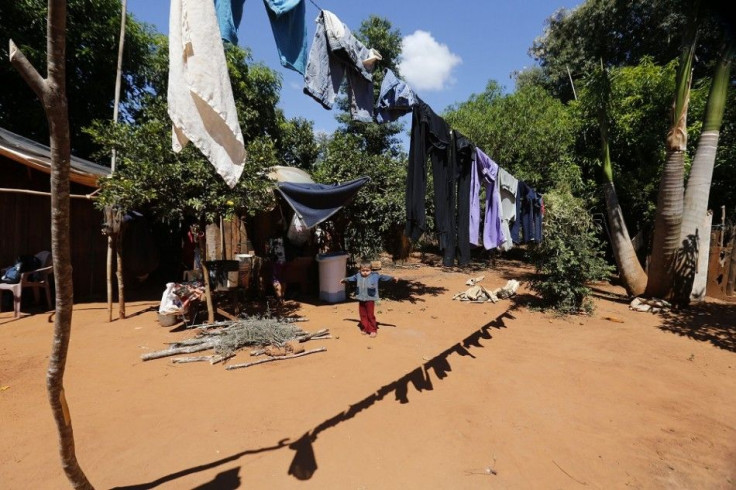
[201, 103]
[229, 13]
[289, 28]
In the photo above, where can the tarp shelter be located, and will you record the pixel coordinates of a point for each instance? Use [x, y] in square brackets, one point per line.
[315, 203]
[25, 219]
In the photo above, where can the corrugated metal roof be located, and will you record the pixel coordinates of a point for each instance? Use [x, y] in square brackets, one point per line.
[38, 156]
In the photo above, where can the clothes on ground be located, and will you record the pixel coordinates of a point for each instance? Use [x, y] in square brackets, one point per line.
[200, 98]
[287, 19]
[315, 203]
[366, 288]
[395, 99]
[336, 54]
[479, 294]
[229, 13]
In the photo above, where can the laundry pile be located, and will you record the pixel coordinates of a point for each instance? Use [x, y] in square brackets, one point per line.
[478, 294]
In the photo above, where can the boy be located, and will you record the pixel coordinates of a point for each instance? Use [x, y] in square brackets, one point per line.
[366, 291]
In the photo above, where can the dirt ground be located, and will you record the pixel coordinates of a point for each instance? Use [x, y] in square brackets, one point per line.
[449, 395]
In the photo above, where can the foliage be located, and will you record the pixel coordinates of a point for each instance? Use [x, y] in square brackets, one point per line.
[171, 186]
[375, 218]
[620, 34]
[373, 222]
[569, 257]
[528, 133]
[93, 28]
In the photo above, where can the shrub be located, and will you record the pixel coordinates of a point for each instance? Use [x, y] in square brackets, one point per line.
[569, 257]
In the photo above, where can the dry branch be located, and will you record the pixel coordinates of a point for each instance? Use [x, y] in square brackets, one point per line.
[177, 350]
[262, 361]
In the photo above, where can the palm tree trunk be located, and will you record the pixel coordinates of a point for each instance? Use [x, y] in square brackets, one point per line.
[630, 270]
[52, 93]
[668, 217]
[697, 192]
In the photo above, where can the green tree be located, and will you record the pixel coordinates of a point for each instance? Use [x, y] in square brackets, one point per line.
[529, 133]
[377, 33]
[171, 186]
[620, 33]
[630, 270]
[569, 257]
[92, 47]
[372, 222]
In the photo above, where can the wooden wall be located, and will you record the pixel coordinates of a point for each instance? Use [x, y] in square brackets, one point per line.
[25, 227]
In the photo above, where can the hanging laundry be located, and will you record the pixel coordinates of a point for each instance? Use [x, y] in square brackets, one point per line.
[507, 185]
[462, 152]
[229, 13]
[430, 138]
[529, 208]
[336, 54]
[289, 28]
[201, 103]
[395, 99]
[485, 173]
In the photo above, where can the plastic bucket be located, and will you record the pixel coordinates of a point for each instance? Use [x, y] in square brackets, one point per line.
[332, 267]
[223, 274]
[244, 268]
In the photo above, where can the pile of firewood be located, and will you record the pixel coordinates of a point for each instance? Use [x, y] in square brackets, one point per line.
[275, 338]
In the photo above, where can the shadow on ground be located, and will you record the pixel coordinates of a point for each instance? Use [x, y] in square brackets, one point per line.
[304, 463]
[714, 323]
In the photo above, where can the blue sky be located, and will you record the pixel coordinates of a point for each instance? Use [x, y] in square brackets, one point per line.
[451, 49]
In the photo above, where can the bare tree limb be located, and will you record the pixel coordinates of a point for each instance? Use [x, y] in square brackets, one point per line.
[26, 70]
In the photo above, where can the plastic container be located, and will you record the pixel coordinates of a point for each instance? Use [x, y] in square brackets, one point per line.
[332, 268]
[223, 274]
[244, 268]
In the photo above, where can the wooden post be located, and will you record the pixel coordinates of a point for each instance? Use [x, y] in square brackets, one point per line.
[206, 280]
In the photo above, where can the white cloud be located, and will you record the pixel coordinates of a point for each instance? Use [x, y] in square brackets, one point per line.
[426, 64]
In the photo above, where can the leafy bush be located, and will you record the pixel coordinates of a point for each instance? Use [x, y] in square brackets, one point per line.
[569, 257]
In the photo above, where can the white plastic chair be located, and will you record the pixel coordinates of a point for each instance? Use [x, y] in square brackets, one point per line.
[37, 279]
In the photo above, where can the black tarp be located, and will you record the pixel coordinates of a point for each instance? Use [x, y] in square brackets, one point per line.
[315, 203]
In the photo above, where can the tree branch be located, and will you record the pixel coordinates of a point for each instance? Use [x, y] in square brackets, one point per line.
[26, 70]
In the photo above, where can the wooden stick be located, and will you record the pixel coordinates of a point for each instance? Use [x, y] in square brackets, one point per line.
[181, 360]
[177, 350]
[261, 361]
[318, 333]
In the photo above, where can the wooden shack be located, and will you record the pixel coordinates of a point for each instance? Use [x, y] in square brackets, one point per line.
[25, 211]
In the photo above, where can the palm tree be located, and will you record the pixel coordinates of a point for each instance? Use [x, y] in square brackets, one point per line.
[697, 192]
[631, 273]
[670, 199]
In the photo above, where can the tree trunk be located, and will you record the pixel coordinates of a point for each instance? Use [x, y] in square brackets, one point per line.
[697, 192]
[108, 269]
[52, 93]
[632, 273]
[667, 227]
[668, 218]
[120, 276]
